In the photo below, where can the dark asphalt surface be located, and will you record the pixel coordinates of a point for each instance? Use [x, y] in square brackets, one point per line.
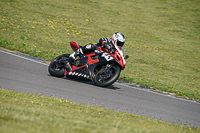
[29, 76]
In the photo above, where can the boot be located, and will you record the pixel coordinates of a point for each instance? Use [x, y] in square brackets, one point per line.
[78, 52]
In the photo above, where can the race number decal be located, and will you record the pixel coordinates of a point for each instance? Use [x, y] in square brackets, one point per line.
[107, 56]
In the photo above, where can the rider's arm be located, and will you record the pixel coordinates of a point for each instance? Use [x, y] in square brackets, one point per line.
[105, 43]
[100, 43]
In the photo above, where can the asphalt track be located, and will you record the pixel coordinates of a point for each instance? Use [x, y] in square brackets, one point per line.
[28, 75]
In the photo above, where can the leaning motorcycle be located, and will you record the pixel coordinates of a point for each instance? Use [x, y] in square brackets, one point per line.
[103, 67]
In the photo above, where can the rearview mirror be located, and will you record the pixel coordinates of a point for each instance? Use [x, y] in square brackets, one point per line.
[126, 57]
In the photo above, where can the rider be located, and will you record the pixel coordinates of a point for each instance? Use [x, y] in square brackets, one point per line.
[107, 43]
[117, 38]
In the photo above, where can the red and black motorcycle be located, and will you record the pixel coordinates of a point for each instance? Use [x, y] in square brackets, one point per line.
[103, 67]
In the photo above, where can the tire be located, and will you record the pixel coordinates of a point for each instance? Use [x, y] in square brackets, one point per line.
[54, 70]
[103, 83]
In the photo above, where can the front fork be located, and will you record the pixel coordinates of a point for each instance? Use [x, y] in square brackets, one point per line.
[105, 72]
[108, 68]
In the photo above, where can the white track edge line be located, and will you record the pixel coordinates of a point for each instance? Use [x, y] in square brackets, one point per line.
[23, 57]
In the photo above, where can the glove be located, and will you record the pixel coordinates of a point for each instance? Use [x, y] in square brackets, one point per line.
[97, 52]
[108, 46]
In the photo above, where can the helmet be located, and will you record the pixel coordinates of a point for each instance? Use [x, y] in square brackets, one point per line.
[118, 38]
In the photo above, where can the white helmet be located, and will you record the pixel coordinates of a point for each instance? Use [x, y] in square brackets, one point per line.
[118, 38]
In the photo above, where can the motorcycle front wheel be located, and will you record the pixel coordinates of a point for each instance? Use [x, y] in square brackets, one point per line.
[55, 68]
[103, 78]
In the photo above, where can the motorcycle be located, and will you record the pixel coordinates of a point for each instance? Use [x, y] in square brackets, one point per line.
[102, 66]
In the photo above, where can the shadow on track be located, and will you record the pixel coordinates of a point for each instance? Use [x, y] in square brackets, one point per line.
[86, 81]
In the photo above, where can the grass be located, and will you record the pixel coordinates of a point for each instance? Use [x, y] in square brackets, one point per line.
[162, 37]
[37, 113]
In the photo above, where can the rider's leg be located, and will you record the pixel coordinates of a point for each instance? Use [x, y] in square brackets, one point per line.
[77, 50]
[89, 48]
[76, 53]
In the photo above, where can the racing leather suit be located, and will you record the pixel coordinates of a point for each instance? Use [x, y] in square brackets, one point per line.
[103, 42]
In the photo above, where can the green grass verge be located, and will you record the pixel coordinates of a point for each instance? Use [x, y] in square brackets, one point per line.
[162, 37]
[26, 113]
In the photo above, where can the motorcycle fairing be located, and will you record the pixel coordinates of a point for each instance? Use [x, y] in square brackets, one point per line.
[88, 64]
[81, 72]
[114, 56]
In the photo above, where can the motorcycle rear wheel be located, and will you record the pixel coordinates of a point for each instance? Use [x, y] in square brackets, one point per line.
[99, 79]
[56, 69]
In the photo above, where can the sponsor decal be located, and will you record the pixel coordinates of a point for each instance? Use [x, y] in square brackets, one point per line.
[79, 74]
[73, 73]
[70, 73]
[107, 56]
